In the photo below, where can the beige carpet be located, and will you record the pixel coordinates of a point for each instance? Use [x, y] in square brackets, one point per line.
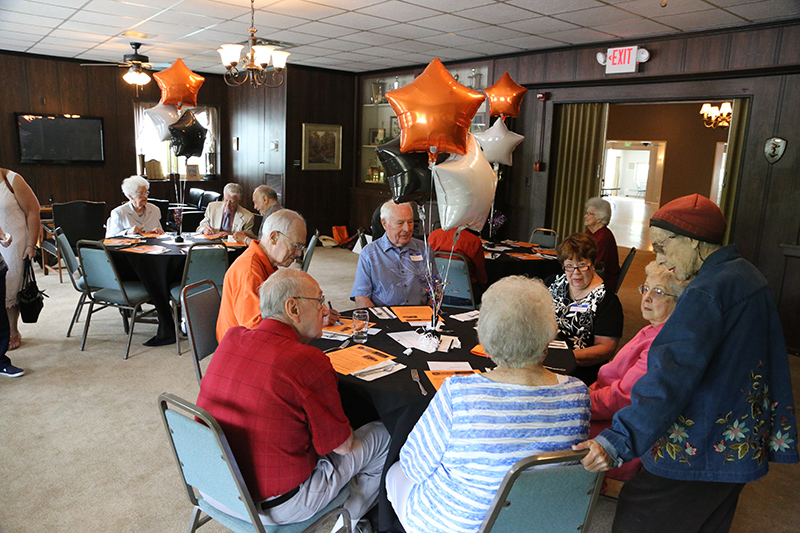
[84, 449]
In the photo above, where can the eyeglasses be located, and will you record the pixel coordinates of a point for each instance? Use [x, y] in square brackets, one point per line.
[298, 246]
[579, 268]
[658, 293]
[141, 194]
[320, 301]
[659, 247]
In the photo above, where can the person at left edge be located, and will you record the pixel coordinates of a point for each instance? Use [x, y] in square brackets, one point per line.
[276, 398]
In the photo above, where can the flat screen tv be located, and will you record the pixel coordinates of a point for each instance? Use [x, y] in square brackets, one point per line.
[59, 139]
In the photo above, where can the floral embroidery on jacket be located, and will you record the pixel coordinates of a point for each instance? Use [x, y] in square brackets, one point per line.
[750, 431]
[673, 442]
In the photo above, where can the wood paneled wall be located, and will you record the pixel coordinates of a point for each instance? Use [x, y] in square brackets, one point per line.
[48, 85]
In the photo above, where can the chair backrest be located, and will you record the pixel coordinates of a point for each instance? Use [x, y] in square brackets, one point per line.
[208, 197]
[310, 252]
[545, 238]
[205, 261]
[200, 303]
[625, 266]
[194, 196]
[73, 267]
[557, 498]
[80, 220]
[458, 291]
[163, 206]
[99, 270]
[191, 220]
[204, 457]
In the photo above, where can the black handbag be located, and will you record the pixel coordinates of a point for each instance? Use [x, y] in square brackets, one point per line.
[30, 299]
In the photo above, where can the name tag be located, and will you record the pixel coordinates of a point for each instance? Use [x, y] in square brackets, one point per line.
[415, 257]
[579, 308]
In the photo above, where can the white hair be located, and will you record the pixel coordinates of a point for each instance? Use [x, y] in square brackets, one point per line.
[386, 208]
[517, 321]
[132, 184]
[281, 221]
[602, 209]
[234, 189]
[279, 287]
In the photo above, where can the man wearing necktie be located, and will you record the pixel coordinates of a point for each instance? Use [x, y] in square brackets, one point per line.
[227, 216]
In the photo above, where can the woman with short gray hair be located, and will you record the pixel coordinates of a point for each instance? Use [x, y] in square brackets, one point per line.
[596, 219]
[477, 426]
[136, 216]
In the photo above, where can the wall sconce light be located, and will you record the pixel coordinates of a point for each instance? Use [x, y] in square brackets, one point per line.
[717, 117]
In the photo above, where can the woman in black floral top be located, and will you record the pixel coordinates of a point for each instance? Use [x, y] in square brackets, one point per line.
[589, 317]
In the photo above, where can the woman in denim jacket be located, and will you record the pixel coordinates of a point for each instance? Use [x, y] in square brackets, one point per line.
[716, 402]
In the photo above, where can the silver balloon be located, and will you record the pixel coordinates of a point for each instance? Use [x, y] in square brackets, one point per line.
[465, 187]
[498, 142]
[163, 116]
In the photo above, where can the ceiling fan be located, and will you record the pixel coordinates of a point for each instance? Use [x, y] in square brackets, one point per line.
[136, 64]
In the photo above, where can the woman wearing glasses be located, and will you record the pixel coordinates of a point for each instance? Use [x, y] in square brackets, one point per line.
[612, 390]
[136, 216]
[589, 316]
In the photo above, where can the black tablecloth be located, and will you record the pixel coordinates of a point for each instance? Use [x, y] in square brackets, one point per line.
[158, 272]
[396, 399]
[505, 265]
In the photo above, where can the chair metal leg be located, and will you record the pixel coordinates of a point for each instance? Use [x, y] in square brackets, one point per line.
[76, 315]
[125, 322]
[130, 333]
[86, 325]
[196, 521]
[177, 326]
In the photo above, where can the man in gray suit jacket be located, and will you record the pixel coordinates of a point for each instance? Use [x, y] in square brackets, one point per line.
[227, 216]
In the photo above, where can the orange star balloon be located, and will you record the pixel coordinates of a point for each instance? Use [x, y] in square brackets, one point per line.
[179, 85]
[505, 97]
[434, 112]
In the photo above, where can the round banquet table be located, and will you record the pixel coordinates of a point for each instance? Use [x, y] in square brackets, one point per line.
[502, 264]
[158, 271]
[396, 399]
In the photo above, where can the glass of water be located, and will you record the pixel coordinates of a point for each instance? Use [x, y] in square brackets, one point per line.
[360, 325]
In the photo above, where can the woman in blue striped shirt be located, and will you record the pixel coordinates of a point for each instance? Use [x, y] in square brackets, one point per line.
[477, 426]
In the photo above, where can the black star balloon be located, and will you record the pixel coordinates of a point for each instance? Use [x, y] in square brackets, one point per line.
[188, 136]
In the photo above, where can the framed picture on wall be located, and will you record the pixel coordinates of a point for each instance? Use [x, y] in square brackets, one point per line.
[394, 127]
[192, 172]
[322, 147]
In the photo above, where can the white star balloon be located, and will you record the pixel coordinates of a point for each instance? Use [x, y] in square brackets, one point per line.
[498, 142]
[465, 186]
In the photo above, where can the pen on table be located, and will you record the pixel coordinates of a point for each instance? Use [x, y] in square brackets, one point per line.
[330, 306]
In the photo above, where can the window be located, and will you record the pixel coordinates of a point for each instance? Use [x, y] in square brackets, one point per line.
[156, 158]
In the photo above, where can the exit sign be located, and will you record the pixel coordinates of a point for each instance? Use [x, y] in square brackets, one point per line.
[621, 60]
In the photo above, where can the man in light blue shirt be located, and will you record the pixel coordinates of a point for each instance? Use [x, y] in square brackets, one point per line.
[394, 269]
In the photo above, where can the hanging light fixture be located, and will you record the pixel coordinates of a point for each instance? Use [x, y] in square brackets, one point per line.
[717, 117]
[256, 62]
[136, 75]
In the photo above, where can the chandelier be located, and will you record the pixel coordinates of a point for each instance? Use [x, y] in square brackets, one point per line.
[717, 117]
[256, 62]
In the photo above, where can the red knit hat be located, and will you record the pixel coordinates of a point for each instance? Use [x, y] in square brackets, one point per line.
[694, 216]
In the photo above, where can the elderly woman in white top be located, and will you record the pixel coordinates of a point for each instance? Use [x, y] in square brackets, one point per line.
[136, 216]
[477, 426]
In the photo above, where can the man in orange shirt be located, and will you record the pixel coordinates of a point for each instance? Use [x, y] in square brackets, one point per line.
[283, 240]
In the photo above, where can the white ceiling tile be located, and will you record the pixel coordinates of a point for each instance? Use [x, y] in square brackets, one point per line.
[538, 26]
[14, 46]
[103, 19]
[497, 13]
[490, 49]
[323, 30]
[598, 16]
[379, 51]
[11, 28]
[371, 38]
[553, 7]
[344, 46]
[649, 9]
[188, 20]
[33, 20]
[448, 40]
[36, 8]
[711, 18]
[212, 9]
[347, 4]
[111, 7]
[272, 20]
[451, 6]
[415, 46]
[408, 31]
[314, 51]
[636, 28]
[449, 23]
[358, 21]
[533, 42]
[729, 3]
[399, 11]
[492, 33]
[302, 9]
[579, 36]
[769, 10]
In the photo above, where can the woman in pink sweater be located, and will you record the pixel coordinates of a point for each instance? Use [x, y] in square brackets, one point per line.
[612, 390]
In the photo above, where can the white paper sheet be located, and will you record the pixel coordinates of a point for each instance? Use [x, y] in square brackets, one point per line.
[449, 365]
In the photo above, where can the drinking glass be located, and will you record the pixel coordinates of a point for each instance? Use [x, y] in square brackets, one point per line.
[360, 325]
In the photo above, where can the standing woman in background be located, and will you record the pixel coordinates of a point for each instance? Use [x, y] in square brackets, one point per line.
[19, 216]
[596, 219]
